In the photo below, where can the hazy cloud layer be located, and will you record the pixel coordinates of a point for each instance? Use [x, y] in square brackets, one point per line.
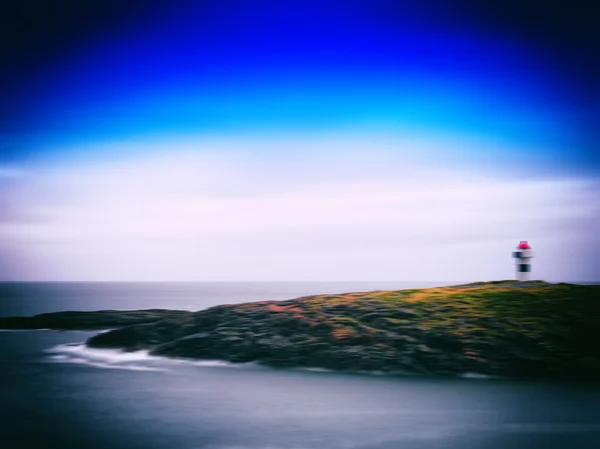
[322, 208]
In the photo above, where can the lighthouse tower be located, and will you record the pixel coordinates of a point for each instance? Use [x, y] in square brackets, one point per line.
[523, 257]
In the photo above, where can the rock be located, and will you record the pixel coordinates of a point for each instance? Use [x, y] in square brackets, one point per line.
[531, 329]
[103, 319]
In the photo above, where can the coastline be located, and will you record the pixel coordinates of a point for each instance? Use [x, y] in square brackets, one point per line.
[503, 328]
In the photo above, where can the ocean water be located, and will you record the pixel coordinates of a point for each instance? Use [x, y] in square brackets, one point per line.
[55, 393]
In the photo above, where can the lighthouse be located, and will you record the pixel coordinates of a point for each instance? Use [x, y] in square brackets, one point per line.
[523, 257]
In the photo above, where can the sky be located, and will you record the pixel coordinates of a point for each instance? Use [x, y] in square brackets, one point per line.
[293, 140]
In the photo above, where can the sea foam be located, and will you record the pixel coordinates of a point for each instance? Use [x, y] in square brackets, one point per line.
[79, 353]
[104, 358]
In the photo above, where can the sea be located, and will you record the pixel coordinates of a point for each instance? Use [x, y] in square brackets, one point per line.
[56, 393]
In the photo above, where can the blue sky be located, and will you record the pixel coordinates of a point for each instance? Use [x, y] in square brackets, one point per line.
[328, 110]
[228, 67]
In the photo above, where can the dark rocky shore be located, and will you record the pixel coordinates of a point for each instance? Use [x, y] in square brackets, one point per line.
[531, 329]
[97, 320]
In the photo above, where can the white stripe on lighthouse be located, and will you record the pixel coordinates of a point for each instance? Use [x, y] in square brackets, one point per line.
[522, 258]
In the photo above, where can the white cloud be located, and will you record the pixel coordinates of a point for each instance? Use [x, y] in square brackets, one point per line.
[347, 208]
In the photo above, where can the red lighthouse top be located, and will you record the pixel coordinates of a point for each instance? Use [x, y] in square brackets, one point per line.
[523, 245]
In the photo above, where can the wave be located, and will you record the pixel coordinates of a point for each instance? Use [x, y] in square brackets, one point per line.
[478, 376]
[79, 353]
[207, 362]
[103, 358]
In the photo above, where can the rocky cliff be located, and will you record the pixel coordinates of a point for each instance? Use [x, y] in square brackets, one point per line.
[531, 329]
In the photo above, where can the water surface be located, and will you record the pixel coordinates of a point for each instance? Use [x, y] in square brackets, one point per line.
[55, 393]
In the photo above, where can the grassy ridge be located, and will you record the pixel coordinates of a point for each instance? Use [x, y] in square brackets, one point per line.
[532, 329]
[529, 329]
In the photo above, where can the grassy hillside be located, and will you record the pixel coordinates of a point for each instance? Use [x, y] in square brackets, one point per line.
[531, 329]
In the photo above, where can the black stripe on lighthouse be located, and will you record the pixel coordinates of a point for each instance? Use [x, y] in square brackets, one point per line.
[524, 268]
